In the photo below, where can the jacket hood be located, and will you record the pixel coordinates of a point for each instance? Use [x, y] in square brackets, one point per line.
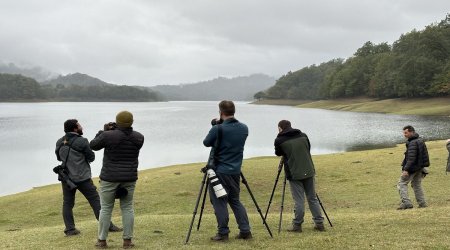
[289, 132]
[415, 136]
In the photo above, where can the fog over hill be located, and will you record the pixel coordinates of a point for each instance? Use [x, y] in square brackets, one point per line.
[240, 88]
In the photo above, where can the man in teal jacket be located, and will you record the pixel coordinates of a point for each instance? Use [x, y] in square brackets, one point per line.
[229, 154]
[295, 147]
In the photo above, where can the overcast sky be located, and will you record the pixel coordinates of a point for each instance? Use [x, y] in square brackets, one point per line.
[168, 42]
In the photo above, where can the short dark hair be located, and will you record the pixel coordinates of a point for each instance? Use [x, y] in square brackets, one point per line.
[70, 125]
[284, 124]
[409, 128]
[227, 108]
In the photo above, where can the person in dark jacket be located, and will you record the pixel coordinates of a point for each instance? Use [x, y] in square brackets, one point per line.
[448, 159]
[74, 152]
[228, 169]
[414, 169]
[119, 174]
[295, 148]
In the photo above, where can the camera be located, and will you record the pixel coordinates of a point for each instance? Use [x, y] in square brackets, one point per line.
[110, 126]
[64, 177]
[216, 121]
[214, 181]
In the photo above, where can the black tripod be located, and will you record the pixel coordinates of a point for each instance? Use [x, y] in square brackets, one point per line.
[280, 167]
[205, 184]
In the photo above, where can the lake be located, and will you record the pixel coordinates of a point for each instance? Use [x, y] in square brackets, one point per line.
[174, 132]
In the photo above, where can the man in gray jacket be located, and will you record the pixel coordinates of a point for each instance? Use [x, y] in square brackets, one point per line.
[74, 152]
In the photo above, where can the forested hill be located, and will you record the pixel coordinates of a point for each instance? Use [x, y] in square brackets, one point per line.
[75, 87]
[238, 88]
[416, 65]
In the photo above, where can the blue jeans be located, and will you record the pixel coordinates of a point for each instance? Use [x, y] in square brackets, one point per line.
[231, 185]
[107, 199]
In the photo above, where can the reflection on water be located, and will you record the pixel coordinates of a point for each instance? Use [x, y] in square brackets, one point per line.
[174, 132]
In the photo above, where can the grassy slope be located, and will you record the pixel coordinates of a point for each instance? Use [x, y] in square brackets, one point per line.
[357, 189]
[428, 106]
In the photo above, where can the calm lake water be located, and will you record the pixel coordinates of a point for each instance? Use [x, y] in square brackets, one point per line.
[174, 132]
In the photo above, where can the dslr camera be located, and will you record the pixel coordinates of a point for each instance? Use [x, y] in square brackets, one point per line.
[216, 121]
[110, 126]
[63, 176]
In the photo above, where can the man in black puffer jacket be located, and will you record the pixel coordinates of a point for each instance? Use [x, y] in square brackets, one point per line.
[414, 168]
[119, 174]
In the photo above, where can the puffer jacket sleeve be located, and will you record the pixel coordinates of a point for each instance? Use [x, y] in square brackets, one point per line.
[98, 142]
[448, 160]
[411, 155]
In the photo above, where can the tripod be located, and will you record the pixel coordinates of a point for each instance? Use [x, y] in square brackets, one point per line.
[280, 167]
[205, 184]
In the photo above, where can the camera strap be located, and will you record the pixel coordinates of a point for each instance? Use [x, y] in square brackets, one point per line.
[68, 152]
[217, 144]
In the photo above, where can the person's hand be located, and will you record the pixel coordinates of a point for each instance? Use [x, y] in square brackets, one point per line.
[405, 174]
[448, 141]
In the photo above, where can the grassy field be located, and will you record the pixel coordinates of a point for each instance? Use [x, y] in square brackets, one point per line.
[358, 190]
[426, 106]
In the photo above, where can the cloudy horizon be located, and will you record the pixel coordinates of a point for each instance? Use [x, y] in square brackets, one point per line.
[170, 42]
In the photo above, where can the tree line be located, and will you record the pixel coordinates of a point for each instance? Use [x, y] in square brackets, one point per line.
[21, 88]
[416, 65]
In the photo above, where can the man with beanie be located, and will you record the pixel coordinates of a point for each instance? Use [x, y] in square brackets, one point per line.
[74, 152]
[295, 148]
[118, 175]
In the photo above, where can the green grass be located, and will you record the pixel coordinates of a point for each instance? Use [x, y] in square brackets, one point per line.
[358, 190]
[417, 106]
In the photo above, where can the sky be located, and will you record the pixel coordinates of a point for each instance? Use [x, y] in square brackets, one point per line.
[152, 42]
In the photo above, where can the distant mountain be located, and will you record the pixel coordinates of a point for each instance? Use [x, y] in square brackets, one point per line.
[240, 88]
[76, 79]
[35, 72]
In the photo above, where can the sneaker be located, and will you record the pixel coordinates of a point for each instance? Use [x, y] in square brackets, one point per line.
[404, 206]
[114, 228]
[319, 227]
[220, 237]
[423, 205]
[127, 244]
[295, 228]
[72, 232]
[101, 244]
[244, 236]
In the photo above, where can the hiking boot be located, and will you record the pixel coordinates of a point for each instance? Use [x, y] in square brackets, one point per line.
[295, 228]
[319, 227]
[101, 244]
[72, 232]
[220, 237]
[127, 244]
[404, 206]
[423, 205]
[244, 236]
[114, 228]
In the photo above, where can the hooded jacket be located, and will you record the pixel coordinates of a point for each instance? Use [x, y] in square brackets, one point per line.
[295, 147]
[80, 156]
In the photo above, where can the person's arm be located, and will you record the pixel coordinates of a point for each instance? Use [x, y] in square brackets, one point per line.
[58, 146]
[98, 142]
[210, 139]
[88, 153]
[278, 150]
[411, 154]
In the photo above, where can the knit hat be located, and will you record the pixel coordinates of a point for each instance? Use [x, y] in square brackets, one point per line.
[124, 119]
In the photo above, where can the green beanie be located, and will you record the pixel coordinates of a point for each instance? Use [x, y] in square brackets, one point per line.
[124, 119]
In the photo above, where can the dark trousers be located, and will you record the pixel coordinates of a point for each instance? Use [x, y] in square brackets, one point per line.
[231, 185]
[88, 189]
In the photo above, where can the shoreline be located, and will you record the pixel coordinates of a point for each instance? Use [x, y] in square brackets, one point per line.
[439, 106]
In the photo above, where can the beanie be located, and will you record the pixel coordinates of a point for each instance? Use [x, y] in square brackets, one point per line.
[124, 119]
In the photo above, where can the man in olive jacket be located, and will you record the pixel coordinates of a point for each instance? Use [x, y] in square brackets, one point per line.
[295, 147]
[74, 152]
[414, 168]
[119, 172]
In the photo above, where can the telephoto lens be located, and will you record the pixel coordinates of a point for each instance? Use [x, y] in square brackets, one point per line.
[219, 191]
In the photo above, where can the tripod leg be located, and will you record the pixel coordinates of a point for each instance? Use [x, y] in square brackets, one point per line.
[256, 204]
[282, 205]
[325, 212]
[203, 205]
[195, 209]
[280, 167]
